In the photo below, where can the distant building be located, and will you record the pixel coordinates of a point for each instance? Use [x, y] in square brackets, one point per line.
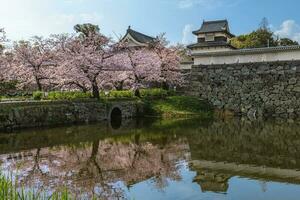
[213, 47]
[213, 36]
[137, 39]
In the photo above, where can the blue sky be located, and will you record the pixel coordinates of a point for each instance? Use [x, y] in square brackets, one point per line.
[25, 18]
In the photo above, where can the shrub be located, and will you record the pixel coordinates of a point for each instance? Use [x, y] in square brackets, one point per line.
[127, 94]
[68, 95]
[38, 95]
[7, 87]
[153, 93]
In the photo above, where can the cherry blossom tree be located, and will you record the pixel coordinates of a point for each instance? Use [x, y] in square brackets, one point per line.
[86, 60]
[82, 60]
[157, 63]
[3, 64]
[34, 61]
[116, 80]
[7, 82]
[2, 39]
[169, 59]
[90, 61]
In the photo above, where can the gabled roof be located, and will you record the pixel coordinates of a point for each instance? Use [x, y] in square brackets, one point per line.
[139, 37]
[214, 26]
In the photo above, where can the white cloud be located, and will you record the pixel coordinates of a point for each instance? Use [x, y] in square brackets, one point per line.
[187, 36]
[289, 29]
[207, 4]
[185, 4]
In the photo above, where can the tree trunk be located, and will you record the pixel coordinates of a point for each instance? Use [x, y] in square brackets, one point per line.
[95, 91]
[165, 85]
[38, 83]
[119, 86]
[137, 92]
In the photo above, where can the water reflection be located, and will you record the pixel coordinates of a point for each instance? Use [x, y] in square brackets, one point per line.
[185, 159]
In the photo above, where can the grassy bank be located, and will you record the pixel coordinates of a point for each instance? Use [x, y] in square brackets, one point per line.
[10, 191]
[178, 106]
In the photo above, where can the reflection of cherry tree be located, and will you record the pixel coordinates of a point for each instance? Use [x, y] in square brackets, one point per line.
[94, 169]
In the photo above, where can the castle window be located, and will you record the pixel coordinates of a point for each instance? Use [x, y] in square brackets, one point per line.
[201, 40]
[209, 37]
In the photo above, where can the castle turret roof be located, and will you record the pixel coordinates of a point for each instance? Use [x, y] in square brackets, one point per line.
[214, 26]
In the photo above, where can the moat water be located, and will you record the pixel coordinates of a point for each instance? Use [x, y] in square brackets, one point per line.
[159, 159]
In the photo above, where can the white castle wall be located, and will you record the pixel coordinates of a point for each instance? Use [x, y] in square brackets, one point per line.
[236, 56]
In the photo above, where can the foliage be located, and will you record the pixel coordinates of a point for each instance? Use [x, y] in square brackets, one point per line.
[256, 39]
[38, 95]
[119, 94]
[287, 42]
[11, 191]
[86, 29]
[262, 37]
[68, 95]
[153, 93]
[178, 106]
[6, 87]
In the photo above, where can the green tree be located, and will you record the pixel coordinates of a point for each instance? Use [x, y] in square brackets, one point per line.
[256, 39]
[287, 42]
[86, 30]
[262, 37]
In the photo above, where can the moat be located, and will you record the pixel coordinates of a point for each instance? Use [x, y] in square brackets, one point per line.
[159, 159]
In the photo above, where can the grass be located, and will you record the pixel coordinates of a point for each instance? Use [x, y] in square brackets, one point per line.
[178, 106]
[11, 191]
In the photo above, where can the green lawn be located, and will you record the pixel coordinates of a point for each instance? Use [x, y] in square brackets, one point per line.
[178, 106]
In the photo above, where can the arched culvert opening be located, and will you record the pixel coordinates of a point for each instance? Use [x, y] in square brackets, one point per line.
[116, 118]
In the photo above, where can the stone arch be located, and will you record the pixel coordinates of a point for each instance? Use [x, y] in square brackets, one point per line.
[115, 117]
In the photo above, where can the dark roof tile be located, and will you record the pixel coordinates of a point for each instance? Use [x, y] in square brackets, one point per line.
[210, 44]
[140, 37]
[214, 26]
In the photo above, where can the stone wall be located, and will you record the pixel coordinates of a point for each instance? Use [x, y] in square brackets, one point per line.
[14, 115]
[252, 89]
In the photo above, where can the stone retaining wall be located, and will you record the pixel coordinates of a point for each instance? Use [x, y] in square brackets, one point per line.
[253, 89]
[47, 113]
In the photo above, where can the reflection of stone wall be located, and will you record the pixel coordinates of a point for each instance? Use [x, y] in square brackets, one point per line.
[272, 89]
[271, 144]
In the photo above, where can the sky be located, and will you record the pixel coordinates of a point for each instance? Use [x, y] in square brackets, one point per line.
[23, 19]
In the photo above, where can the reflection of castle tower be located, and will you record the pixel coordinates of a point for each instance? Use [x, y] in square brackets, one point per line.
[210, 181]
